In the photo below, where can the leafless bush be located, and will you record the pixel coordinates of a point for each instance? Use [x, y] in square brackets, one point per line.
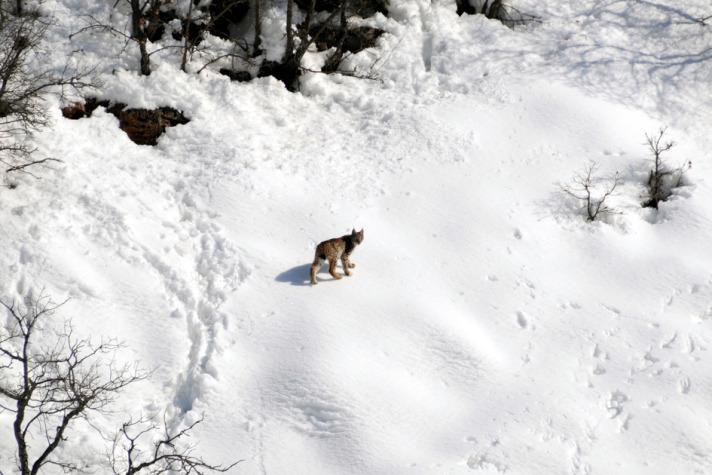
[289, 69]
[592, 192]
[167, 453]
[21, 88]
[147, 26]
[218, 19]
[49, 379]
[257, 41]
[662, 179]
[143, 18]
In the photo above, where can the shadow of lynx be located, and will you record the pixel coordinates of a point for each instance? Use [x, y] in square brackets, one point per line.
[299, 275]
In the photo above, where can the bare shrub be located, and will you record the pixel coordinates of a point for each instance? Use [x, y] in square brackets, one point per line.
[593, 192]
[662, 179]
[147, 25]
[21, 88]
[289, 68]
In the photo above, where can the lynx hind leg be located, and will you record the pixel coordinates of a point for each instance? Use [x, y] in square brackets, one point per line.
[332, 268]
[314, 269]
[346, 265]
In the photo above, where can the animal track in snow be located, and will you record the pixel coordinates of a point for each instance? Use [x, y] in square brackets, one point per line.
[706, 315]
[600, 356]
[598, 370]
[614, 403]
[488, 458]
[522, 320]
[668, 342]
[217, 271]
[310, 408]
[321, 419]
[613, 310]
[484, 461]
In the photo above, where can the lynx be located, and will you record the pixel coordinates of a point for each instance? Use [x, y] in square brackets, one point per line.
[333, 250]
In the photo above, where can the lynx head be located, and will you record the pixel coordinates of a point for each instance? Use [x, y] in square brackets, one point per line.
[357, 236]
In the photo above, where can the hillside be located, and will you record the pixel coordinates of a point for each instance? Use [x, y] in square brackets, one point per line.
[487, 327]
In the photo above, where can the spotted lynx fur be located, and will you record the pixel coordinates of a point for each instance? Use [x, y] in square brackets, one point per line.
[333, 250]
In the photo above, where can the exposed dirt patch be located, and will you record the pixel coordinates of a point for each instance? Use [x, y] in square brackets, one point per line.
[143, 126]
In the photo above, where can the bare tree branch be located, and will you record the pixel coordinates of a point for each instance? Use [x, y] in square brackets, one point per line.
[23, 166]
[50, 385]
[131, 454]
[22, 88]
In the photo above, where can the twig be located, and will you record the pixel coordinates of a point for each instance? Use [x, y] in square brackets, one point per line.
[352, 74]
[222, 56]
[22, 167]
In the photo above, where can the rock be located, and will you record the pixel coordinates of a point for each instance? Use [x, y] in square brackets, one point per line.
[77, 110]
[239, 76]
[464, 6]
[492, 9]
[357, 39]
[194, 32]
[144, 126]
[167, 16]
[362, 8]
[74, 111]
[155, 30]
[288, 72]
[225, 14]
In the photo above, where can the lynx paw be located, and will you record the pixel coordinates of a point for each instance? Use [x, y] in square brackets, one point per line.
[351, 265]
[337, 276]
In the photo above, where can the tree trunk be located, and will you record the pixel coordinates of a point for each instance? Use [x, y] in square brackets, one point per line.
[289, 49]
[22, 456]
[333, 62]
[187, 42]
[138, 33]
[145, 60]
[257, 43]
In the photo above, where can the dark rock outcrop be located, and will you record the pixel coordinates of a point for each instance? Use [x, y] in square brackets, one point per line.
[362, 8]
[226, 13]
[239, 76]
[357, 39]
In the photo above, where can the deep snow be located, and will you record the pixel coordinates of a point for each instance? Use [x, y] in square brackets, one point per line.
[487, 327]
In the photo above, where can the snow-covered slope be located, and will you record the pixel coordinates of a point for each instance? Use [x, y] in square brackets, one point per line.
[487, 327]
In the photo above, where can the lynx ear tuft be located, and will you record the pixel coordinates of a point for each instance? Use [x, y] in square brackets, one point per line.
[353, 231]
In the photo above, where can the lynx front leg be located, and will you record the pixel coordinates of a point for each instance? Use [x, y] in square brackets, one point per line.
[332, 268]
[346, 264]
